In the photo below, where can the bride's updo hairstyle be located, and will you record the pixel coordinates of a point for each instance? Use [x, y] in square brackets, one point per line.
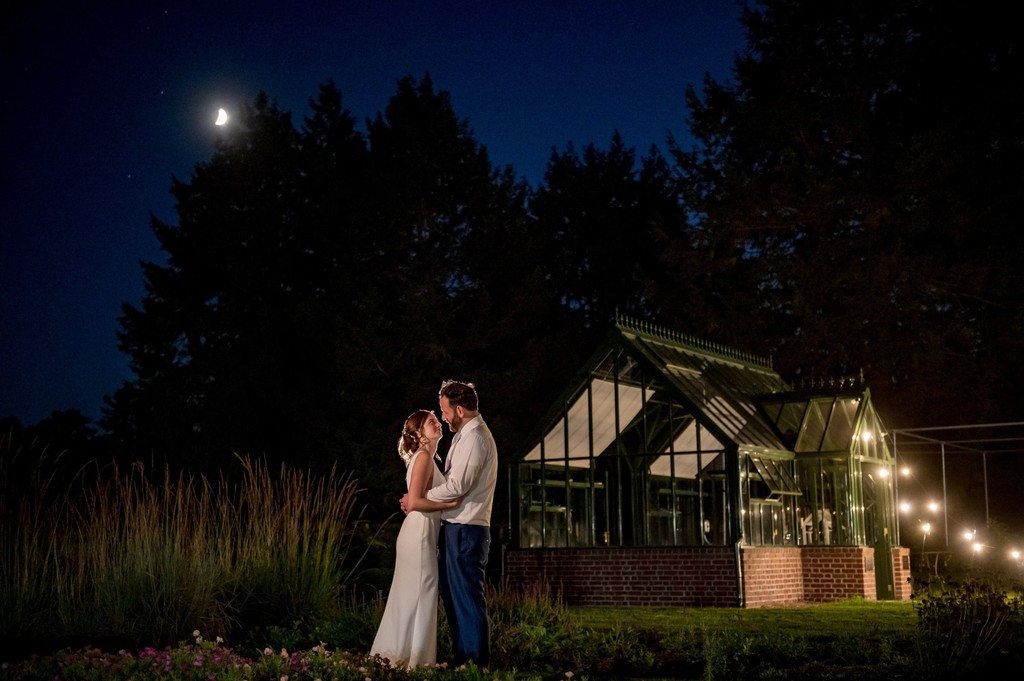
[412, 435]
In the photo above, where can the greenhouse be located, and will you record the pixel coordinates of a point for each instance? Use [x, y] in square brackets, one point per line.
[673, 470]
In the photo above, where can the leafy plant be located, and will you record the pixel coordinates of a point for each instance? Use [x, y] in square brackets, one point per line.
[203, 660]
[968, 627]
[530, 628]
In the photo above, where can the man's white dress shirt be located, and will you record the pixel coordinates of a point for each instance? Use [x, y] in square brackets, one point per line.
[471, 470]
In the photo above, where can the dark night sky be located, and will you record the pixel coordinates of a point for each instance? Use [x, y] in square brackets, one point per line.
[101, 107]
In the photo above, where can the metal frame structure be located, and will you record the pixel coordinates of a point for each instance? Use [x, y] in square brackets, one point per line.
[667, 440]
[982, 440]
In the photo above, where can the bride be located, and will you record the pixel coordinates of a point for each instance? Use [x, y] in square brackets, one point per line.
[407, 635]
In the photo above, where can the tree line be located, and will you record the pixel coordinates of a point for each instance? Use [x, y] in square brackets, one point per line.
[848, 205]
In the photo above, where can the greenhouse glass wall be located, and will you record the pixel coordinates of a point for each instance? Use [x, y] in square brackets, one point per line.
[669, 441]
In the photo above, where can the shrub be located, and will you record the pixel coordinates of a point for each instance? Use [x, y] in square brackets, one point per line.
[530, 629]
[970, 628]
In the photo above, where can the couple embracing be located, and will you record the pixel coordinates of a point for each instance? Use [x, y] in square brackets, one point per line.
[444, 541]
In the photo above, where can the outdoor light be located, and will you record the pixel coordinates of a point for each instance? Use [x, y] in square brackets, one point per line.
[933, 506]
[905, 506]
[866, 436]
[883, 473]
[969, 535]
[927, 527]
[977, 547]
[905, 471]
[1015, 554]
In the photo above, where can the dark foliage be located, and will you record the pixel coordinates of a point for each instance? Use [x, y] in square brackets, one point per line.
[315, 288]
[856, 187]
[849, 206]
[972, 628]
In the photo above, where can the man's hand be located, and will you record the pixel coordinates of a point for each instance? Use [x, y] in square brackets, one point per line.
[403, 501]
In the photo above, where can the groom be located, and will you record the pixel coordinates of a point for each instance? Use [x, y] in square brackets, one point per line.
[471, 471]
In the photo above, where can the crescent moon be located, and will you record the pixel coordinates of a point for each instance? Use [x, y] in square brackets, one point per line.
[222, 117]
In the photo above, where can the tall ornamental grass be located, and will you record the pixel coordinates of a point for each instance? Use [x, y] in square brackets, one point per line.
[145, 557]
[29, 555]
[128, 557]
[295, 544]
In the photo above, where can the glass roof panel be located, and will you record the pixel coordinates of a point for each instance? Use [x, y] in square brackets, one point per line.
[686, 463]
[840, 426]
[814, 425]
[721, 388]
[734, 414]
[790, 418]
[870, 441]
[687, 440]
[579, 424]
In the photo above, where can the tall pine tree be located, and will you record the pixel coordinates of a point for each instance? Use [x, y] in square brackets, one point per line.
[315, 287]
[855, 187]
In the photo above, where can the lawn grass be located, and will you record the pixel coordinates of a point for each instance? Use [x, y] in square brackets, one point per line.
[851, 618]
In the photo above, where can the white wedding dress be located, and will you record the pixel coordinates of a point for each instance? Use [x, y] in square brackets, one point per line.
[407, 635]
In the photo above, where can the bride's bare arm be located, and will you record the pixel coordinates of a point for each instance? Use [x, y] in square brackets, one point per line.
[419, 483]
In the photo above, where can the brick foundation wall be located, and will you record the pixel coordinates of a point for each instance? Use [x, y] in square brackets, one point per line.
[901, 572]
[772, 576]
[835, 573]
[692, 576]
[705, 576]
